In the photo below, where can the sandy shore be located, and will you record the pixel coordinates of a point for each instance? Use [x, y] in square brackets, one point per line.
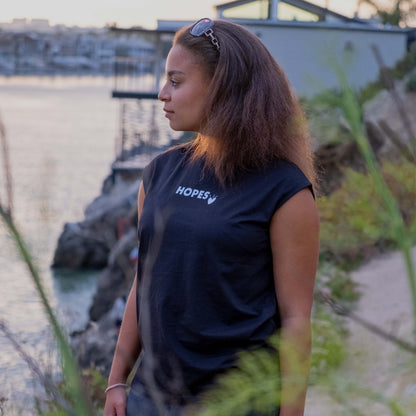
[374, 364]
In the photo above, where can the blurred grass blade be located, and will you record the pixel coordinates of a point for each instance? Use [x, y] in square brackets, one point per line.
[71, 374]
[7, 169]
[34, 367]
[352, 113]
[82, 404]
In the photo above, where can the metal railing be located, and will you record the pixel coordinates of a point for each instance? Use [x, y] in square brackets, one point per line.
[137, 77]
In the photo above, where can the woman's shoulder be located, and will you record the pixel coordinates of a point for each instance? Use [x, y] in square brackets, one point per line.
[167, 158]
[284, 178]
[170, 155]
[163, 163]
[284, 169]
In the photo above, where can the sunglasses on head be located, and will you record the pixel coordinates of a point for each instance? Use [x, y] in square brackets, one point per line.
[204, 27]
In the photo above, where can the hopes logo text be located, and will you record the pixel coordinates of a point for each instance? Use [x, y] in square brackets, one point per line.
[196, 193]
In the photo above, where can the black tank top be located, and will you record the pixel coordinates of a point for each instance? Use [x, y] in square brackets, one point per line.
[212, 292]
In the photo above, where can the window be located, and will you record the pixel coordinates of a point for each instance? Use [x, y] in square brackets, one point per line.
[287, 12]
[258, 9]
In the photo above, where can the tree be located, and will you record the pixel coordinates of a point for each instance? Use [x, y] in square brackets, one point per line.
[397, 13]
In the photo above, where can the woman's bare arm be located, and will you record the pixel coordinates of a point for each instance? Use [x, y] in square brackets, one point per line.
[127, 349]
[294, 236]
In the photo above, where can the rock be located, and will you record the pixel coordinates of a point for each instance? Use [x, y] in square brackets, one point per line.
[79, 247]
[117, 278]
[388, 134]
[94, 347]
[331, 159]
[87, 244]
[104, 239]
[400, 118]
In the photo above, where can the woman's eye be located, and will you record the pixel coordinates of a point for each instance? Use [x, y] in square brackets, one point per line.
[173, 83]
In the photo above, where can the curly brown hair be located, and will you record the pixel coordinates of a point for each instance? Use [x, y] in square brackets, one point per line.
[252, 117]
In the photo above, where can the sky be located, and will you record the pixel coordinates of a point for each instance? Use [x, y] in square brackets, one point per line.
[125, 13]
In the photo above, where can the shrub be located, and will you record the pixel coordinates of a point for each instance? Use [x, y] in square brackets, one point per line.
[94, 381]
[411, 82]
[353, 218]
[328, 332]
[325, 118]
[328, 344]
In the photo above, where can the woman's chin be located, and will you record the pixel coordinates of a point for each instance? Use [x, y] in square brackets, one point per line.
[176, 127]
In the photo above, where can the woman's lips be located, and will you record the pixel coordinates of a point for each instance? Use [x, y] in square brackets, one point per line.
[167, 112]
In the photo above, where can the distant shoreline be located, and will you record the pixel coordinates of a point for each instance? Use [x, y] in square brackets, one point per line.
[57, 73]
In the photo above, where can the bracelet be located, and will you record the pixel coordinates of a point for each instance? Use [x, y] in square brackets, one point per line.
[113, 386]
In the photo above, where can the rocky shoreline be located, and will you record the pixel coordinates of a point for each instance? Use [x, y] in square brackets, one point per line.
[107, 237]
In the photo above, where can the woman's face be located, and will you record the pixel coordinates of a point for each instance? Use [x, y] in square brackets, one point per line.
[185, 90]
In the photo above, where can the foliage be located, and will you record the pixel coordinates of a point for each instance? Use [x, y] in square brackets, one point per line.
[399, 12]
[255, 382]
[3, 400]
[95, 383]
[368, 92]
[328, 343]
[253, 385]
[81, 403]
[365, 203]
[324, 118]
[405, 65]
[328, 332]
[402, 68]
[354, 219]
[411, 82]
[337, 284]
[396, 225]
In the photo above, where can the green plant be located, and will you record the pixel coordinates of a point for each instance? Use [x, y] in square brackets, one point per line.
[337, 284]
[402, 68]
[71, 375]
[328, 344]
[255, 382]
[253, 385]
[328, 330]
[405, 65]
[398, 12]
[368, 92]
[82, 405]
[354, 218]
[95, 383]
[324, 118]
[411, 82]
[397, 228]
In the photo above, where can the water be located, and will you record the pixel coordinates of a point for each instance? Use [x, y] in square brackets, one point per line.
[61, 134]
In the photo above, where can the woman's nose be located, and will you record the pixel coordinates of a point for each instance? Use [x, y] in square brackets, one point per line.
[163, 94]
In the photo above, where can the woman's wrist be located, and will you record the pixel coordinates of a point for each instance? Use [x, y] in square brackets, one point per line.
[115, 385]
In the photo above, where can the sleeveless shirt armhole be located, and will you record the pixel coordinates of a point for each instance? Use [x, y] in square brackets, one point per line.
[147, 176]
[154, 167]
[297, 182]
[293, 192]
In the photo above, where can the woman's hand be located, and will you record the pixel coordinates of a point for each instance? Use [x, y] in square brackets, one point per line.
[115, 403]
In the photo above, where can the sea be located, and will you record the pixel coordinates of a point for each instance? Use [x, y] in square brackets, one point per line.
[61, 134]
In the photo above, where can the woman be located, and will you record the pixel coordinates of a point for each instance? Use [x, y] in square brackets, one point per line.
[228, 229]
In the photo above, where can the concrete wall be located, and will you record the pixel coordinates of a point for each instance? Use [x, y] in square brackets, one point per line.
[308, 53]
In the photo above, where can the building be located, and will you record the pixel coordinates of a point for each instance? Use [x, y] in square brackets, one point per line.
[309, 41]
